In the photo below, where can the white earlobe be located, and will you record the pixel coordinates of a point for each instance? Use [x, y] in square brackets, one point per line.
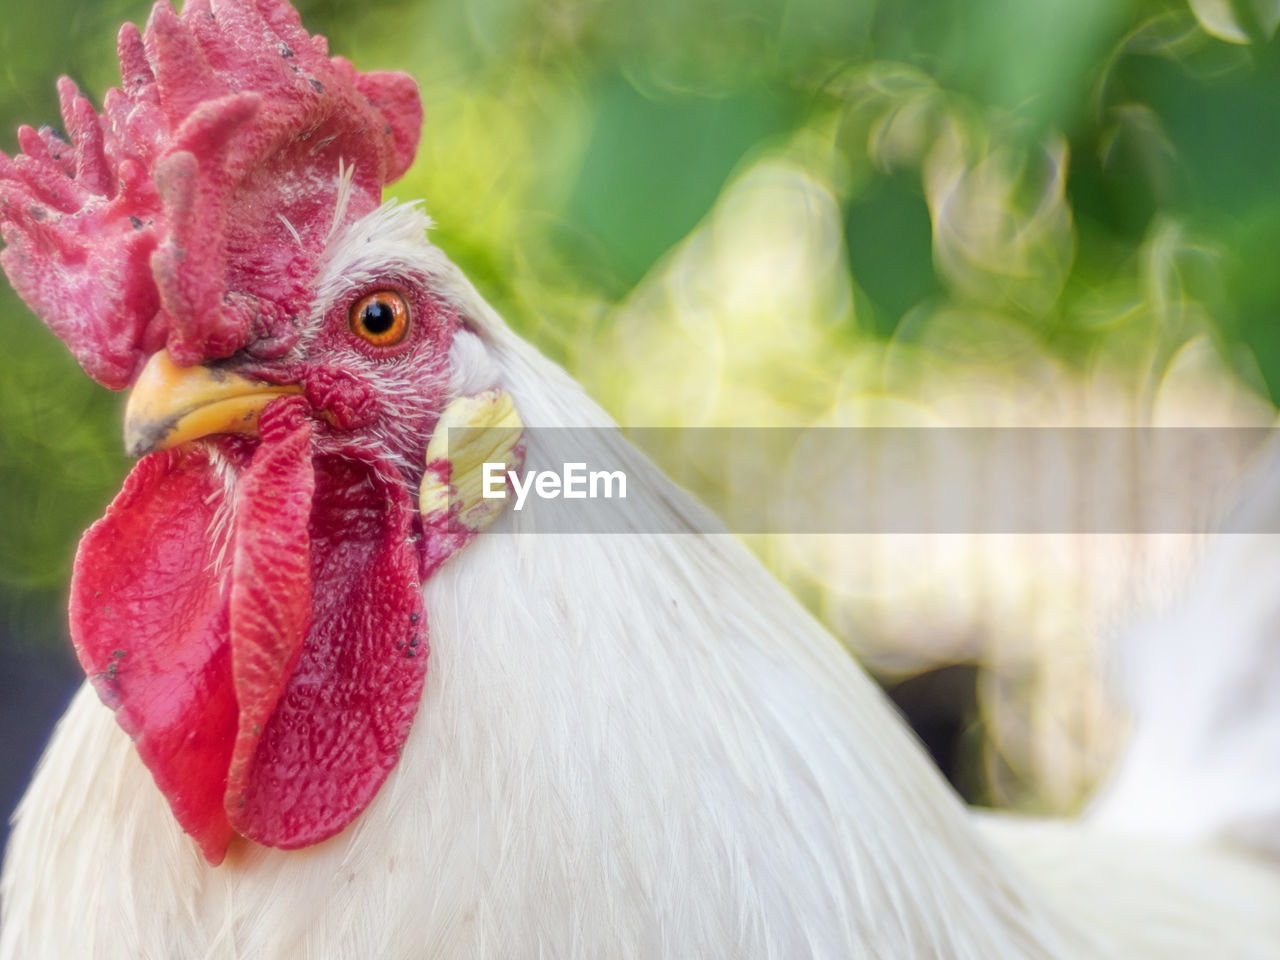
[476, 443]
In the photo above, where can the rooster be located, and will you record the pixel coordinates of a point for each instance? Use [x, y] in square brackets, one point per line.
[340, 705]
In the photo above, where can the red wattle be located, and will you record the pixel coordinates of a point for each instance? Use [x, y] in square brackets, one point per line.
[346, 711]
[149, 623]
[270, 608]
[265, 649]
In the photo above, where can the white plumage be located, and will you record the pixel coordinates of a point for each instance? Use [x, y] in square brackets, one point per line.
[632, 746]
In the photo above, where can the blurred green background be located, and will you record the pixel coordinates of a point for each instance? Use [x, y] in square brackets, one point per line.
[747, 212]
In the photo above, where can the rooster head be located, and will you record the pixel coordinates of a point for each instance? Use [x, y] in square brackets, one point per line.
[250, 606]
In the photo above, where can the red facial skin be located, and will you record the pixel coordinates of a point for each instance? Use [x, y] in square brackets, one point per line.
[251, 609]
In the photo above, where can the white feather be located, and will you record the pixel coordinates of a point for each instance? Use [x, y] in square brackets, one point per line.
[635, 745]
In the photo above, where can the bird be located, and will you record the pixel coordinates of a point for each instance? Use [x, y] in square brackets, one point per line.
[342, 702]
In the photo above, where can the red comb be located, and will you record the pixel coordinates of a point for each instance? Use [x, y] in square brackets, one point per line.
[192, 212]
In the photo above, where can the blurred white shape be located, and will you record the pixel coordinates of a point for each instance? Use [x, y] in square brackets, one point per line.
[749, 322]
[1219, 18]
[1201, 685]
[1036, 611]
[735, 327]
[901, 108]
[1002, 230]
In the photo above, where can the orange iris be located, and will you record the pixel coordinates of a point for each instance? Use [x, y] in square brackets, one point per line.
[381, 318]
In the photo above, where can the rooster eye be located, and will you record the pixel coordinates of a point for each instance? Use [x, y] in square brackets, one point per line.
[381, 318]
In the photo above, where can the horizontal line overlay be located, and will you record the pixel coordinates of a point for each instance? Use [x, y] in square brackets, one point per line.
[879, 480]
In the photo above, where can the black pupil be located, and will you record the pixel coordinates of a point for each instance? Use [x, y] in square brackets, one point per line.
[377, 317]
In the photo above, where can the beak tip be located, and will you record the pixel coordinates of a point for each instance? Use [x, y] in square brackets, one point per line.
[143, 438]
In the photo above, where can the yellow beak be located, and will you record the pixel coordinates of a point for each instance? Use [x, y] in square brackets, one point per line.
[170, 405]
